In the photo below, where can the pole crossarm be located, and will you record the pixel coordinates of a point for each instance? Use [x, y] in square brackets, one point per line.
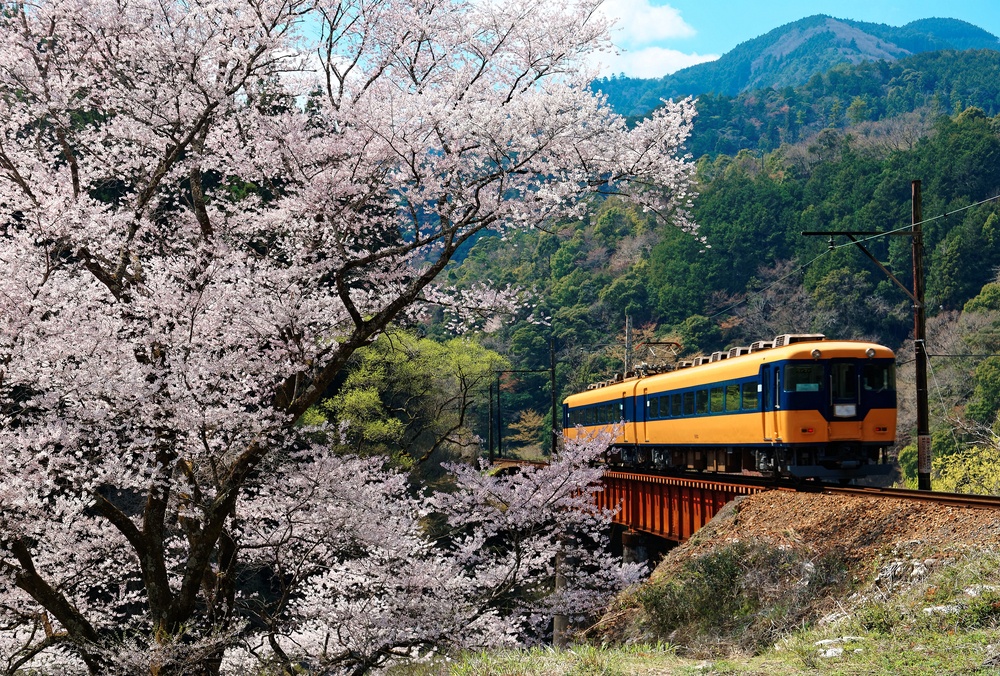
[859, 233]
[853, 235]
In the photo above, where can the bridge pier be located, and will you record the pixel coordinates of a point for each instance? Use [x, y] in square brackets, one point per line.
[634, 547]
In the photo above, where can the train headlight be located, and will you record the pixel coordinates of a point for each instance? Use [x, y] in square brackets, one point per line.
[870, 353]
[816, 354]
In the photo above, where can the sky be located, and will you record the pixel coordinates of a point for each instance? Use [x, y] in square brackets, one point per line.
[658, 37]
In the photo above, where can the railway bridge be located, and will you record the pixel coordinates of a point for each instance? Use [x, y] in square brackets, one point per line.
[673, 508]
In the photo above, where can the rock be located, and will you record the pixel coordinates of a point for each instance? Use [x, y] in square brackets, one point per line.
[833, 617]
[834, 641]
[949, 609]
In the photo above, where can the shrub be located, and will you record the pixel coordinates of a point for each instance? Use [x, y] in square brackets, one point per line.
[746, 593]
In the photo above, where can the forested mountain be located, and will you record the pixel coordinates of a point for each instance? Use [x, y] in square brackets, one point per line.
[792, 54]
[757, 276]
[860, 96]
[837, 152]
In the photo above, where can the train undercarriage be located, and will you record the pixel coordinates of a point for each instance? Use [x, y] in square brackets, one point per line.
[842, 461]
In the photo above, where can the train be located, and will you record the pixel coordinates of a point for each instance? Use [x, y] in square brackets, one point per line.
[800, 406]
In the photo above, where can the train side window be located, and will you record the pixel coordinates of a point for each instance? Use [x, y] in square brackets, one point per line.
[675, 405]
[717, 399]
[701, 402]
[665, 406]
[803, 377]
[732, 397]
[689, 403]
[750, 398]
[654, 407]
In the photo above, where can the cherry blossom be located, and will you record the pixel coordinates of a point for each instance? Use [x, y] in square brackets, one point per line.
[205, 210]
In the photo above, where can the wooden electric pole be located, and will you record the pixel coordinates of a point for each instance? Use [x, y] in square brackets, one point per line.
[919, 323]
[490, 435]
[924, 453]
[552, 387]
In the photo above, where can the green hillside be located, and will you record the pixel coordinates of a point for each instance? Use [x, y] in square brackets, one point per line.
[793, 53]
[855, 97]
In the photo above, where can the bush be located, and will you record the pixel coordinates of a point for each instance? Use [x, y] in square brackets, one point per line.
[745, 593]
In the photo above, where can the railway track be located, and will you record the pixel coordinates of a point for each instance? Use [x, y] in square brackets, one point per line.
[742, 481]
[948, 499]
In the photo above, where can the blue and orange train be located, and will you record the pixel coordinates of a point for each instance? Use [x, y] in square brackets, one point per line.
[799, 406]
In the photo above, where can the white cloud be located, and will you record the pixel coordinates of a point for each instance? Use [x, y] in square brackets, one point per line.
[639, 34]
[639, 22]
[650, 62]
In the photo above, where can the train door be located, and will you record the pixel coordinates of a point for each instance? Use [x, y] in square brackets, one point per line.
[845, 389]
[770, 378]
[644, 404]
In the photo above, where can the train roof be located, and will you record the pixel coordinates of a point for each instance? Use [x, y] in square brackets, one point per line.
[738, 362]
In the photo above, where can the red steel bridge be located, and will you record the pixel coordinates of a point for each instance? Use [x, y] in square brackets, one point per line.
[673, 508]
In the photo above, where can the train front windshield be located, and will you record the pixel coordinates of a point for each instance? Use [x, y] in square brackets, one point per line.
[879, 378]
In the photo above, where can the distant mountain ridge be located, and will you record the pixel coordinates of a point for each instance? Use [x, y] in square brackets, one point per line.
[791, 54]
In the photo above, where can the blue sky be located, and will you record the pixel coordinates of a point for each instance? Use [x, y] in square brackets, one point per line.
[661, 36]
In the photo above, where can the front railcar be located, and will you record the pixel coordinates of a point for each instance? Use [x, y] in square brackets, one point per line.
[829, 411]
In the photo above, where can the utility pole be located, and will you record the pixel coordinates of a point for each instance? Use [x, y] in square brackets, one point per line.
[552, 386]
[490, 435]
[924, 453]
[628, 346]
[499, 420]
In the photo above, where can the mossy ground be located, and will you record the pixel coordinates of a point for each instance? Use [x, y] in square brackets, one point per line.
[918, 611]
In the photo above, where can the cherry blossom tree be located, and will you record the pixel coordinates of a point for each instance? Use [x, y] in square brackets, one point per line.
[205, 210]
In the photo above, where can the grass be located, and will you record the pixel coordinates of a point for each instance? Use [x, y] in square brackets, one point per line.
[576, 661]
[946, 620]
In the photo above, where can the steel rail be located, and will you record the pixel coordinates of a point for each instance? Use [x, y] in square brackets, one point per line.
[746, 484]
[949, 499]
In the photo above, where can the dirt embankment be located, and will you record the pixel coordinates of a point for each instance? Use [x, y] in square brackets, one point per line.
[891, 544]
[860, 528]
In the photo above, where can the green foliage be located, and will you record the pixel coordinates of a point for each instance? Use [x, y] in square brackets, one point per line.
[986, 397]
[699, 334]
[747, 592]
[974, 470]
[944, 444]
[408, 397]
[751, 209]
[757, 117]
[988, 298]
